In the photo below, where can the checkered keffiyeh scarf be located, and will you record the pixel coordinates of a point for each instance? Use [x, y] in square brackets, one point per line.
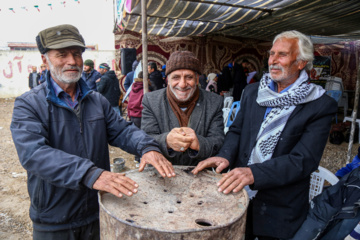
[282, 104]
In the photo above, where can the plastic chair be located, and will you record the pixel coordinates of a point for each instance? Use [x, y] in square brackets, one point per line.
[344, 102]
[336, 95]
[235, 107]
[226, 112]
[350, 120]
[228, 102]
[318, 179]
[233, 112]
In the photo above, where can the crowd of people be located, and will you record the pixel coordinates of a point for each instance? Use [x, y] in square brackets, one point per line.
[62, 129]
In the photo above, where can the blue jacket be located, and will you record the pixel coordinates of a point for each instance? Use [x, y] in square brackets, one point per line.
[129, 80]
[64, 152]
[90, 78]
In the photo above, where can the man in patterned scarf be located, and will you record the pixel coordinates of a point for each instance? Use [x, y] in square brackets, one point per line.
[277, 141]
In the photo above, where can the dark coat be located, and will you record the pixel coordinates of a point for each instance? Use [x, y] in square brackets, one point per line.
[158, 120]
[202, 81]
[156, 80]
[57, 146]
[283, 182]
[109, 88]
[90, 78]
[239, 81]
[335, 212]
[31, 82]
[225, 81]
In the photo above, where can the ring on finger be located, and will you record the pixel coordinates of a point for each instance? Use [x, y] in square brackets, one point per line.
[182, 149]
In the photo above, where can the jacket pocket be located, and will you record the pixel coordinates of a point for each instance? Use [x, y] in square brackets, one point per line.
[39, 195]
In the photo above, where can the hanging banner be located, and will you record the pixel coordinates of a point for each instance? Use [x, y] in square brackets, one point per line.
[321, 67]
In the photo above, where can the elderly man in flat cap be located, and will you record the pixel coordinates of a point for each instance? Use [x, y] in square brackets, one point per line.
[61, 130]
[186, 121]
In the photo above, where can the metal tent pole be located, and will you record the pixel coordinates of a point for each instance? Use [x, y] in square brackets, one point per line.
[354, 115]
[144, 45]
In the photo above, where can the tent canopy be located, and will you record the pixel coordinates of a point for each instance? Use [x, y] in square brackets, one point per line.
[261, 19]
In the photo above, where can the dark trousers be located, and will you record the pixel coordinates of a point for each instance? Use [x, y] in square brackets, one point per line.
[87, 232]
[137, 122]
[249, 235]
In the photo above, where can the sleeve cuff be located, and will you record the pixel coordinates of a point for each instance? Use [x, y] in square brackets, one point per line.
[91, 176]
[193, 153]
[150, 148]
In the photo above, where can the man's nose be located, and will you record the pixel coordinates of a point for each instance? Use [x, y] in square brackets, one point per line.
[70, 59]
[273, 59]
[182, 82]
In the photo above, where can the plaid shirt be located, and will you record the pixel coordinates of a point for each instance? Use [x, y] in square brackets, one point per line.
[66, 98]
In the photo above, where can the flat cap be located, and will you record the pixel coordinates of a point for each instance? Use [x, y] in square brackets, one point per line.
[58, 37]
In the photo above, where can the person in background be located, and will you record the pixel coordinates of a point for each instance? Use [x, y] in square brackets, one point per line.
[34, 77]
[276, 141]
[130, 76]
[90, 75]
[185, 120]
[240, 73]
[43, 71]
[212, 85]
[155, 77]
[108, 86]
[203, 81]
[135, 104]
[62, 131]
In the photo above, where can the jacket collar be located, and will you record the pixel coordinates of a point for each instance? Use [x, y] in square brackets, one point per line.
[50, 93]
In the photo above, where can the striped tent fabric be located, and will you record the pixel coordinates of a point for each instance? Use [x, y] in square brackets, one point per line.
[261, 19]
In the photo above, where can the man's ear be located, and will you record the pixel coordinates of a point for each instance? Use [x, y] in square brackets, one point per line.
[302, 64]
[44, 60]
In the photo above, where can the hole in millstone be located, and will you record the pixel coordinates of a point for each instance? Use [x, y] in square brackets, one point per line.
[165, 190]
[178, 201]
[203, 222]
[191, 195]
[145, 202]
[188, 170]
[129, 220]
[200, 202]
[170, 211]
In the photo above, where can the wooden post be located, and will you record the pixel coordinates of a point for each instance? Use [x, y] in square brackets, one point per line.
[354, 115]
[144, 45]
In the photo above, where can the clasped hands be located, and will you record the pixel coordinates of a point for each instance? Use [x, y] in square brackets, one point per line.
[233, 181]
[180, 139]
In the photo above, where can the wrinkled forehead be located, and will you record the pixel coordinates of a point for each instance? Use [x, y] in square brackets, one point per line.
[73, 50]
[285, 45]
[182, 72]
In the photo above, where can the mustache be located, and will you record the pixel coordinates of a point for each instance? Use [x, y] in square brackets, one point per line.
[72, 68]
[182, 89]
[275, 67]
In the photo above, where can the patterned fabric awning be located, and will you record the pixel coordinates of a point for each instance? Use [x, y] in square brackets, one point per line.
[259, 19]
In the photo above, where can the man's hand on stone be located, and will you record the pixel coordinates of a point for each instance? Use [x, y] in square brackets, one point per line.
[217, 162]
[116, 184]
[235, 180]
[178, 141]
[191, 133]
[161, 164]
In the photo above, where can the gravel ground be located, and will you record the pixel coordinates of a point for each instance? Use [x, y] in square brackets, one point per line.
[15, 223]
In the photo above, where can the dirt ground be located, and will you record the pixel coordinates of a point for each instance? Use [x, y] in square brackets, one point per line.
[15, 223]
